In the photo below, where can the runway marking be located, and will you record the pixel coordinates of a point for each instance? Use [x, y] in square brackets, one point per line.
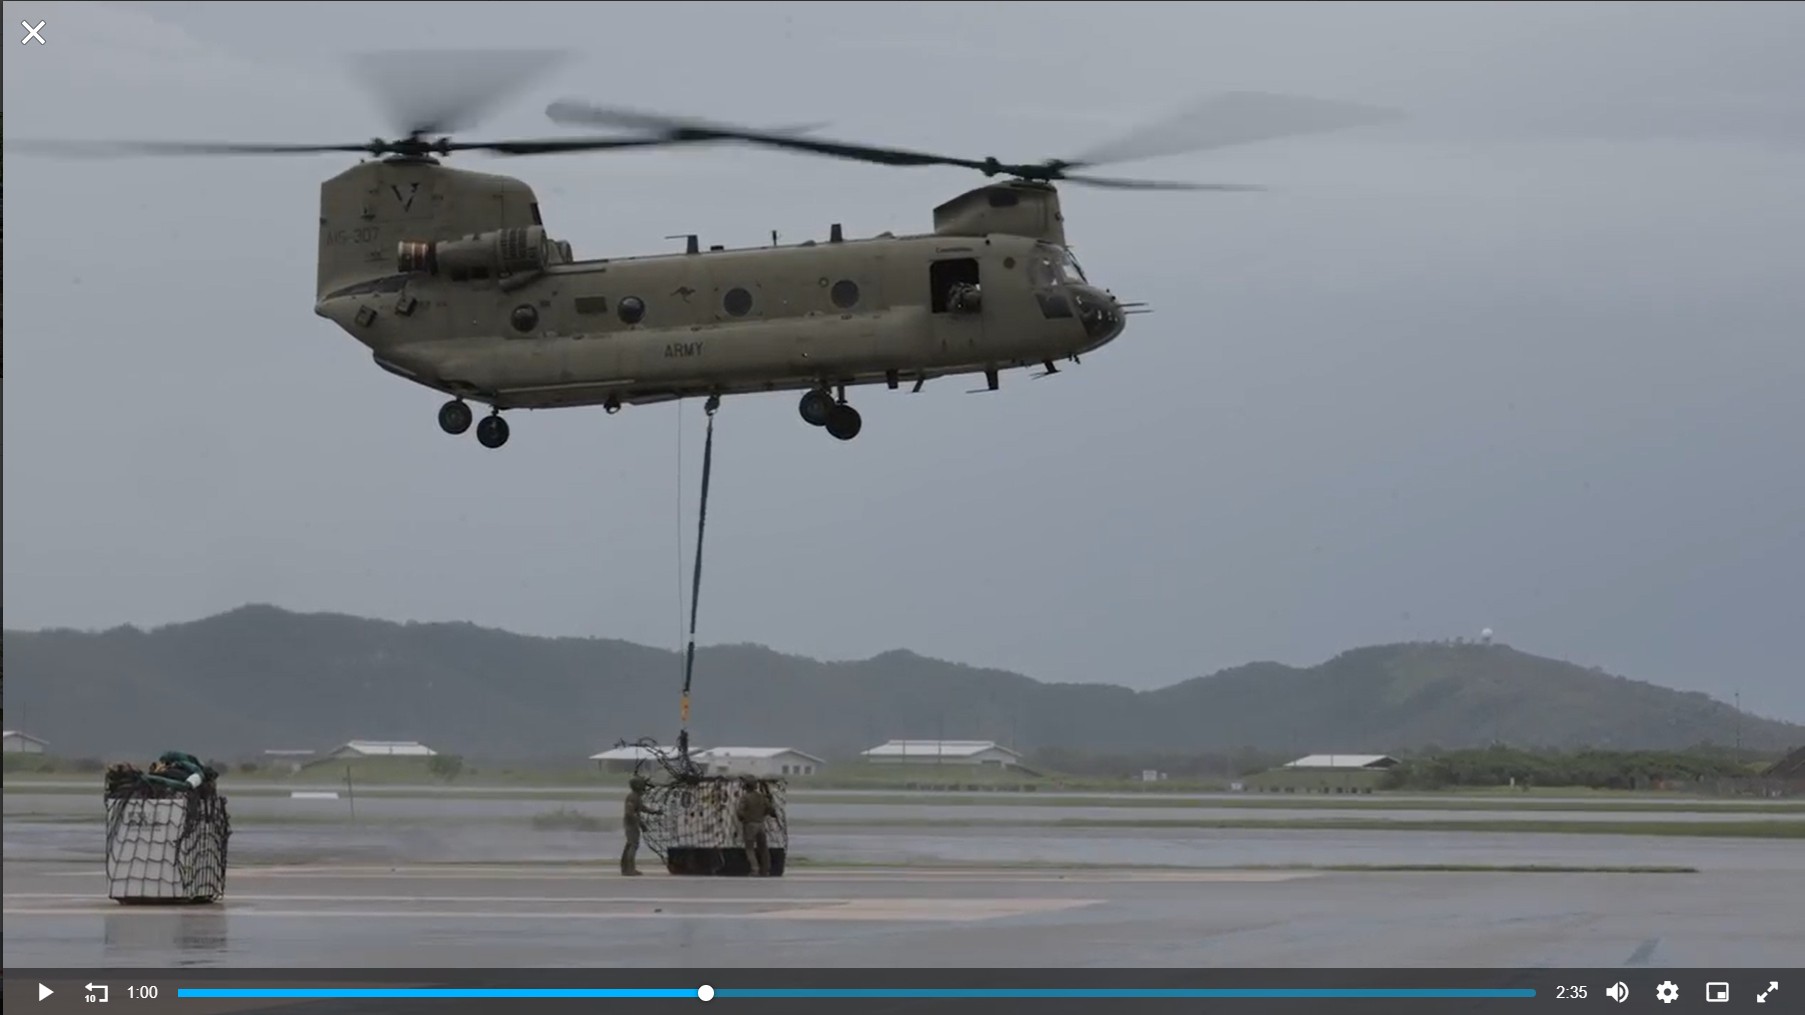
[867, 910]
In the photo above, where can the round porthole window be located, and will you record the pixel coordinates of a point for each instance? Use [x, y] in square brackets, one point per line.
[845, 293]
[631, 309]
[737, 302]
[524, 318]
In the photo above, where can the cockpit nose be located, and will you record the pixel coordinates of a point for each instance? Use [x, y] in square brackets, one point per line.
[1099, 312]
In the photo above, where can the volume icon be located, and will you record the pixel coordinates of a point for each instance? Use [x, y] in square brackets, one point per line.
[1618, 992]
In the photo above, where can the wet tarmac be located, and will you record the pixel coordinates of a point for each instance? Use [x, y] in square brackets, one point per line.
[453, 881]
[525, 915]
[335, 806]
[1181, 847]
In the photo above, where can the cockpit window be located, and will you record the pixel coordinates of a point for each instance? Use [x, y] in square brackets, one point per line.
[1054, 265]
[1069, 267]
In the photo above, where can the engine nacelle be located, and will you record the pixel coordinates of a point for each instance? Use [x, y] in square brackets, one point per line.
[491, 255]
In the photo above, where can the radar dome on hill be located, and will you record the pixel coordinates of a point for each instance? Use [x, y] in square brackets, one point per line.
[1486, 636]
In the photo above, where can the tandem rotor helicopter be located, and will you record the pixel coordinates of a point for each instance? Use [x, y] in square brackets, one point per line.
[452, 280]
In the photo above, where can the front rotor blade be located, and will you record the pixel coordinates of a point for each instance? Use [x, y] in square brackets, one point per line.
[446, 91]
[702, 130]
[123, 149]
[1234, 118]
[1119, 184]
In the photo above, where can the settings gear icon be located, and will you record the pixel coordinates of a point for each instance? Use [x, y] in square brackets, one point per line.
[1667, 992]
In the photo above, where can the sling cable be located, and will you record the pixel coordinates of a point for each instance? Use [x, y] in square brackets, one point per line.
[695, 591]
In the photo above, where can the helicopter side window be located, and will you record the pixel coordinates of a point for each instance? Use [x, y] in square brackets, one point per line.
[1041, 273]
[950, 278]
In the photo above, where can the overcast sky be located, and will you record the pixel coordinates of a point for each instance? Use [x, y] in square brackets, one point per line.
[1532, 360]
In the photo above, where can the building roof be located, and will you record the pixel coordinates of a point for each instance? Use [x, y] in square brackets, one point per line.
[390, 748]
[1343, 761]
[936, 749]
[728, 753]
[637, 752]
[25, 736]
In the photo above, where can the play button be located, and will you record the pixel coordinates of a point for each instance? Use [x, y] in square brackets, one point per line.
[44, 992]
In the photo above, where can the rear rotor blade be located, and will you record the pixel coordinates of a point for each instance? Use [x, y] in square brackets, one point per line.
[568, 112]
[555, 146]
[411, 146]
[1217, 122]
[1233, 118]
[1120, 184]
[445, 91]
[118, 149]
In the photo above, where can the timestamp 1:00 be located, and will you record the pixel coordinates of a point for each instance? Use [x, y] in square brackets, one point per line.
[141, 993]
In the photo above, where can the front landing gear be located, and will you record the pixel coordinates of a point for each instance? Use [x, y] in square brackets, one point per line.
[843, 421]
[454, 417]
[818, 408]
[492, 432]
[815, 407]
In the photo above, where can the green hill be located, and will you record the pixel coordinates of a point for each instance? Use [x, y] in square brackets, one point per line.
[258, 677]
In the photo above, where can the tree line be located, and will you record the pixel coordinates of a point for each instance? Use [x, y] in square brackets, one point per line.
[1437, 768]
[1591, 769]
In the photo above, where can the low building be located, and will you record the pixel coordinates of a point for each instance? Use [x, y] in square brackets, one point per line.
[765, 762]
[626, 759]
[380, 749]
[1326, 773]
[18, 742]
[971, 753]
[293, 759]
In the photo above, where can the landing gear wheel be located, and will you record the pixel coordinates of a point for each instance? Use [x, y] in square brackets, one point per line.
[843, 422]
[815, 407]
[454, 417]
[492, 432]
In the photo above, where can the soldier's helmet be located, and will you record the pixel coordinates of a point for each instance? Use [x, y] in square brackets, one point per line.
[748, 781]
[640, 783]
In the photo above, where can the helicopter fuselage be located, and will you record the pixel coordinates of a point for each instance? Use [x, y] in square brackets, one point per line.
[502, 315]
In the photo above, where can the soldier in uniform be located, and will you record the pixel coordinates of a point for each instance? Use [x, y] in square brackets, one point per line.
[631, 812]
[754, 808]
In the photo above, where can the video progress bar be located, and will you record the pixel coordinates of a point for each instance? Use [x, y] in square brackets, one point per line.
[801, 993]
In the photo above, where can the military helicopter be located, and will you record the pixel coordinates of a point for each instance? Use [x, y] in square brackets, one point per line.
[451, 279]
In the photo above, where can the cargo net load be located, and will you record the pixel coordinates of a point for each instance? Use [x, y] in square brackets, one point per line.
[698, 830]
[166, 832]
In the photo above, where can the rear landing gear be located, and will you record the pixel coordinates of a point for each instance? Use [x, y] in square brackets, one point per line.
[454, 417]
[818, 408]
[492, 432]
